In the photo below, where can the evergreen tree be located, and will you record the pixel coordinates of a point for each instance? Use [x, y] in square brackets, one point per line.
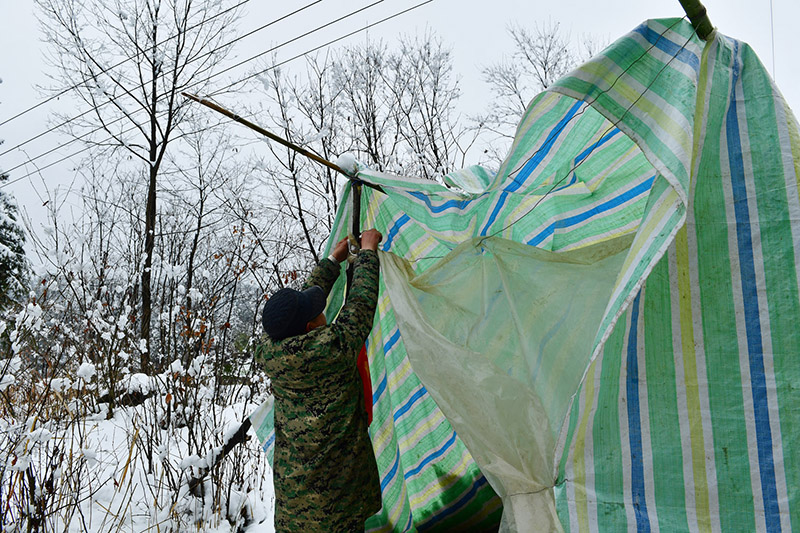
[13, 265]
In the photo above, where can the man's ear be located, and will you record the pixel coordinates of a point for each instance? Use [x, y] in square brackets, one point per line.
[316, 322]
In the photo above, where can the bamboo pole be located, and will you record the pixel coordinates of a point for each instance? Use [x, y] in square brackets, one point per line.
[195, 484]
[271, 136]
[698, 16]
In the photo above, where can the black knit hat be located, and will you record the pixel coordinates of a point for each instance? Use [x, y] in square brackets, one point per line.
[288, 311]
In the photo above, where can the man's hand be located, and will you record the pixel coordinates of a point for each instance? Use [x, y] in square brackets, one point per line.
[340, 250]
[370, 239]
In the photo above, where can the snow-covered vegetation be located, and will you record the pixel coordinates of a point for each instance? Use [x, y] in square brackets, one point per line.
[90, 444]
[70, 465]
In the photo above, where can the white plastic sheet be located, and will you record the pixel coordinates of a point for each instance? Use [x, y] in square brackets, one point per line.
[500, 334]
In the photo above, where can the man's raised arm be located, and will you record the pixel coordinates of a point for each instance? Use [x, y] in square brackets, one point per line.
[327, 271]
[355, 319]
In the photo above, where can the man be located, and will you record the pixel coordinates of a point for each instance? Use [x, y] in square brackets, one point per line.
[326, 479]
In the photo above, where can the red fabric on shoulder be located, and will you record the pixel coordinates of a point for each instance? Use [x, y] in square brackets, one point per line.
[363, 370]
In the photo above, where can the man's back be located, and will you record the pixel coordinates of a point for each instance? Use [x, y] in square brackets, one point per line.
[326, 478]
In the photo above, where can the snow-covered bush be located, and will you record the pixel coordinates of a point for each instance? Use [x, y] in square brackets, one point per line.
[89, 444]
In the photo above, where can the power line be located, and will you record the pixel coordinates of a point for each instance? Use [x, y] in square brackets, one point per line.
[306, 34]
[772, 36]
[106, 69]
[137, 87]
[366, 27]
[138, 111]
[191, 85]
[65, 158]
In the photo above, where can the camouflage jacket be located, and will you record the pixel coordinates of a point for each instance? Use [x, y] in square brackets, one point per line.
[325, 474]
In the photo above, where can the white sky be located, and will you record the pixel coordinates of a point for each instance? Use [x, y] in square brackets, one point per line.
[475, 29]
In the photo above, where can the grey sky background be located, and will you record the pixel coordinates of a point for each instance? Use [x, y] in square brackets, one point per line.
[476, 31]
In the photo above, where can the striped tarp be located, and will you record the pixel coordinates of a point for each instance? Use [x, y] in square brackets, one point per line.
[688, 416]
[661, 381]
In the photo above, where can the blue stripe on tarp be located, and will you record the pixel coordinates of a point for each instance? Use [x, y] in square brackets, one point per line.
[410, 522]
[755, 347]
[270, 441]
[434, 455]
[438, 208]
[634, 423]
[410, 402]
[497, 208]
[669, 47]
[571, 182]
[542, 152]
[604, 139]
[433, 521]
[596, 210]
[387, 346]
[394, 230]
[379, 389]
[392, 472]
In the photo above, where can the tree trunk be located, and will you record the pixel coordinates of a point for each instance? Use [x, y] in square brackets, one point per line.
[149, 242]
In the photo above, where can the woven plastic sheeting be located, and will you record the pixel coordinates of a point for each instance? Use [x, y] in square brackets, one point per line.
[503, 384]
[600, 333]
[687, 418]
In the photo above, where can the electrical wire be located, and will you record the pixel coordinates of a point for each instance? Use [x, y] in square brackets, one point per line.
[129, 58]
[306, 34]
[772, 36]
[139, 110]
[82, 150]
[191, 85]
[368, 26]
[328, 43]
[140, 86]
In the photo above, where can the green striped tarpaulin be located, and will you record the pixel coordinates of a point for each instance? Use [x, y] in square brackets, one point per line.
[603, 334]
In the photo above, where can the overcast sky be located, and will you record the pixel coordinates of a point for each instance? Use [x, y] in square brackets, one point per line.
[476, 30]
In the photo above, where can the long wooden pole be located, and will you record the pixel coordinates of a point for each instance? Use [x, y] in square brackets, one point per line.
[698, 16]
[355, 228]
[271, 136]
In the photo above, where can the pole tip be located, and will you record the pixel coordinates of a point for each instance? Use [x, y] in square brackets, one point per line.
[698, 16]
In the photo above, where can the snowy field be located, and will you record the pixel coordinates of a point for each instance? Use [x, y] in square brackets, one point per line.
[73, 462]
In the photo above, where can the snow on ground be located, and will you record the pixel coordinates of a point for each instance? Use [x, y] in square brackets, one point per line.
[108, 447]
[125, 470]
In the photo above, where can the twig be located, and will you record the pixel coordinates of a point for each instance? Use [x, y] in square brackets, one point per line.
[237, 438]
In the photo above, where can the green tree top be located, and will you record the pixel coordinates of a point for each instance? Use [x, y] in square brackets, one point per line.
[13, 265]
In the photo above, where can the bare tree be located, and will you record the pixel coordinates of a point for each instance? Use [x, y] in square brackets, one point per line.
[423, 106]
[129, 60]
[394, 110]
[371, 124]
[541, 55]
